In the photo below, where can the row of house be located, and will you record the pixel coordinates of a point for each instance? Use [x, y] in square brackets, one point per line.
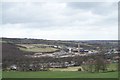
[41, 66]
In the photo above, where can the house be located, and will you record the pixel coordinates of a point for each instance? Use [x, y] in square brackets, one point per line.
[13, 67]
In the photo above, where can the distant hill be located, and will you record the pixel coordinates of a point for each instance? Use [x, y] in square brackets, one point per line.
[87, 44]
[38, 41]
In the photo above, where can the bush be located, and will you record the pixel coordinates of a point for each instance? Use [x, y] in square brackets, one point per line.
[112, 71]
[79, 69]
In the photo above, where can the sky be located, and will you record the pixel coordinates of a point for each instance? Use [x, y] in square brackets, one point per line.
[60, 20]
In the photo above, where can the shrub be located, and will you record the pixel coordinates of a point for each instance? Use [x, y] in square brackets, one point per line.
[79, 69]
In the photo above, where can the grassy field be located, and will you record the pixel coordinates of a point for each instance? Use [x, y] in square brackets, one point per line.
[110, 67]
[65, 69]
[56, 74]
[36, 48]
[113, 66]
[39, 49]
[70, 72]
[0, 74]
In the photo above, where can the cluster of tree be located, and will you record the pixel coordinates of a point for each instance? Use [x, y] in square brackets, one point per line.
[97, 64]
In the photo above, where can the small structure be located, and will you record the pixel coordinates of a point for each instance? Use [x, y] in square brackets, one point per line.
[13, 67]
[38, 54]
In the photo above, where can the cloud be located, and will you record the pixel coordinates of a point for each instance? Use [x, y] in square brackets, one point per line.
[53, 20]
[97, 7]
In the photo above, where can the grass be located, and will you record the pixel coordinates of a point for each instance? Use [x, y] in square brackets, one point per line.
[70, 72]
[58, 74]
[113, 66]
[0, 74]
[37, 48]
[110, 67]
[65, 69]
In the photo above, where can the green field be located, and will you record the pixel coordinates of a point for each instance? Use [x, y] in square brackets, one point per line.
[70, 72]
[110, 67]
[0, 74]
[36, 48]
[56, 74]
[66, 69]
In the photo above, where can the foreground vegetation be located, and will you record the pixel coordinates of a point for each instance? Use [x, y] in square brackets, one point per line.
[111, 67]
[58, 74]
[70, 72]
[0, 74]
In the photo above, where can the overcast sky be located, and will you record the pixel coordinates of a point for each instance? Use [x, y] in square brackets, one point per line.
[60, 21]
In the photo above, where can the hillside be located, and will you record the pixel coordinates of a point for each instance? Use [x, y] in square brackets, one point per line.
[37, 48]
[11, 52]
[38, 41]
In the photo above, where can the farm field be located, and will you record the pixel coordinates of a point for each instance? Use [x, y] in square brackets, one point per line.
[36, 48]
[111, 67]
[66, 69]
[58, 74]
